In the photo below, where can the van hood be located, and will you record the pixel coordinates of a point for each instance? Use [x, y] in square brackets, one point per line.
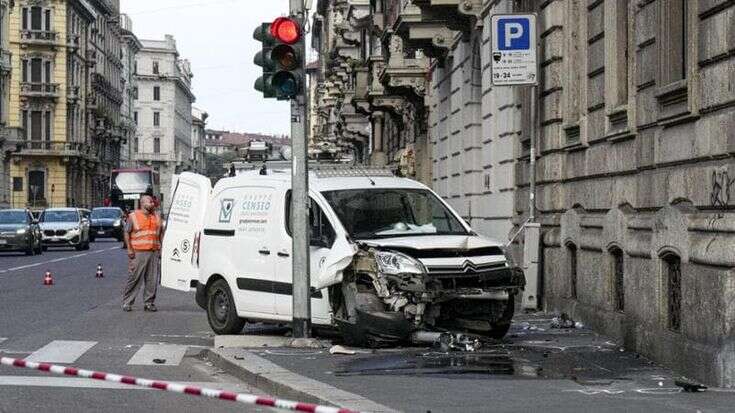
[434, 242]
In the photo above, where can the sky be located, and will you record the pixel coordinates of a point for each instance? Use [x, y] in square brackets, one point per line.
[217, 38]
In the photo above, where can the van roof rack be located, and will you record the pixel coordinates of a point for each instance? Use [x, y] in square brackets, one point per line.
[320, 169]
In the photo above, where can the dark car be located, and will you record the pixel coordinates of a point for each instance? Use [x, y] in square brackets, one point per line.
[106, 223]
[19, 231]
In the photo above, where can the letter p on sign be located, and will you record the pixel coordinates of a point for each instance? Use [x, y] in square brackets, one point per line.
[514, 34]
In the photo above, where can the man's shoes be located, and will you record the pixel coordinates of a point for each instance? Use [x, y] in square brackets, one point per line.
[127, 308]
[150, 307]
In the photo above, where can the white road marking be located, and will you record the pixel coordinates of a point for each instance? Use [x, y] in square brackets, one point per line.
[172, 353]
[23, 267]
[42, 381]
[61, 351]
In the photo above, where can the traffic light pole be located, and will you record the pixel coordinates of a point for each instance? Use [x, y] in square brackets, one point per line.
[300, 200]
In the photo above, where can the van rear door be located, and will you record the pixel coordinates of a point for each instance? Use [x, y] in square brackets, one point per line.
[180, 249]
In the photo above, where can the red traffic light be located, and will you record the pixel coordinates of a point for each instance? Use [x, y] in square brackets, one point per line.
[286, 30]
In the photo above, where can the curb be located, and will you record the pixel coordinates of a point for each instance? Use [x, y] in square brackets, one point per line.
[280, 382]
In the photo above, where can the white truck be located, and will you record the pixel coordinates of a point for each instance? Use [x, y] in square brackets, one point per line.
[388, 256]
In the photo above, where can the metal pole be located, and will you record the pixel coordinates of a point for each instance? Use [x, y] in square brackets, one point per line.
[532, 163]
[300, 202]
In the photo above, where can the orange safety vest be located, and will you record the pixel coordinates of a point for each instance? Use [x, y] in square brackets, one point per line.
[146, 231]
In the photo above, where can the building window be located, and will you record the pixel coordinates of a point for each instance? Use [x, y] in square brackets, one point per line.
[135, 117]
[673, 41]
[155, 68]
[618, 279]
[672, 268]
[136, 144]
[156, 145]
[36, 18]
[572, 254]
[156, 118]
[156, 93]
[135, 93]
[36, 186]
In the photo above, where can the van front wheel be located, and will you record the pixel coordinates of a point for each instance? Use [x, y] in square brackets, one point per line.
[221, 312]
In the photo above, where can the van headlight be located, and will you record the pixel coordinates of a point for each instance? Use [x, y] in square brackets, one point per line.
[21, 231]
[394, 263]
[509, 262]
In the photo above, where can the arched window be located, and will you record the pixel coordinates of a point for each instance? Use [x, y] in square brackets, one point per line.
[572, 254]
[672, 280]
[618, 277]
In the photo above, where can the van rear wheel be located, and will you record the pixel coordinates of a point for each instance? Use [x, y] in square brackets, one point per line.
[221, 312]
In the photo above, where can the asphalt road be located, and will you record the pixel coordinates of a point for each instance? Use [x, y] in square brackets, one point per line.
[78, 321]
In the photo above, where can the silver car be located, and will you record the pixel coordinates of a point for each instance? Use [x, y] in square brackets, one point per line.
[19, 231]
[65, 227]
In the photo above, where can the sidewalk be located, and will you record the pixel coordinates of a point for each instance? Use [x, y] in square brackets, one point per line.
[536, 368]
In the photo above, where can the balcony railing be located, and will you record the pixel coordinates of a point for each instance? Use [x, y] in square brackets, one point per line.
[32, 89]
[38, 36]
[158, 157]
[6, 61]
[73, 93]
[50, 148]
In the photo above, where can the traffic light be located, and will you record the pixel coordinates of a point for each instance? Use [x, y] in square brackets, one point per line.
[280, 58]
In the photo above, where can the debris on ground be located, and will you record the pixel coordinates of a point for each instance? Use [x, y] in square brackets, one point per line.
[447, 341]
[337, 349]
[689, 386]
[564, 321]
[159, 361]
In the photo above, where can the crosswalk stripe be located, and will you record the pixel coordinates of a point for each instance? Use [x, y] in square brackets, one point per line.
[61, 351]
[171, 353]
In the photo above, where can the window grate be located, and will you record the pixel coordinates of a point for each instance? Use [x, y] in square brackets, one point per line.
[673, 270]
[572, 250]
[618, 280]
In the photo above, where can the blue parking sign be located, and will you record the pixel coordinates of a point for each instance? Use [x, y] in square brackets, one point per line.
[514, 33]
[513, 49]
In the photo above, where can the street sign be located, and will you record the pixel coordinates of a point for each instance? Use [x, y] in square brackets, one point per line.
[514, 58]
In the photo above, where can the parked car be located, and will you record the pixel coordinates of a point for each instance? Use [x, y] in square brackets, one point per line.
[389, 258]
[65, 227]
[106, 222]
[19, 231]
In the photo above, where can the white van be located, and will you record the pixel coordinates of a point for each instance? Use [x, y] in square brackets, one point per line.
[388, 256]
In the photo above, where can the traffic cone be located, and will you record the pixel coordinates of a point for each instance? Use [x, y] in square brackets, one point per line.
[99, 273]
[48, 279]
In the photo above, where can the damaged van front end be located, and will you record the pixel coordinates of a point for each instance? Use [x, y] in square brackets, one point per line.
[388, 292]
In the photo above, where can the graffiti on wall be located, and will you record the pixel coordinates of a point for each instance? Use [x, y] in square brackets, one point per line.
[722, 185]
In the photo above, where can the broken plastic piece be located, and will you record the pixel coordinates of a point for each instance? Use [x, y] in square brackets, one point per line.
[337, 349]
[689, 386]
[159, 361]
[563, 321]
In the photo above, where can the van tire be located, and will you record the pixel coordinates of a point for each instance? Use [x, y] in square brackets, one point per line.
[221, 312]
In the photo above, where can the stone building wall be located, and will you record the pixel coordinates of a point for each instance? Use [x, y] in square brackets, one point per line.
[637, 133]
[473, 127]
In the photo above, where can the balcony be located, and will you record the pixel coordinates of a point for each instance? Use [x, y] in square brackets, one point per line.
[419, 31]
[6, 62]
[155, 157]
[91, 57]
[49, 148]
[39, 90]
[72, 94]
[38, 37]
[72, 41]
[406, 76]
[455, 14]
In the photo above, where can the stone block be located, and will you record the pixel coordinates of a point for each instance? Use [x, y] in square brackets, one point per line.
[714, 32]
[717, 83]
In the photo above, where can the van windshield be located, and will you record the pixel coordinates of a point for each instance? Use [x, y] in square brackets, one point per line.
[382, 213]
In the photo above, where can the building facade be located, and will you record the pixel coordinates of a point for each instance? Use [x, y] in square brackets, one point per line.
[105, 121]
[49, 43]
[198, 142]
[164, 111]
[6, 133]
[130, 48]
[634, 127]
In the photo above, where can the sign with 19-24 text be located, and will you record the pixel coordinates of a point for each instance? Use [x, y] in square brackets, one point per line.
[514, 58]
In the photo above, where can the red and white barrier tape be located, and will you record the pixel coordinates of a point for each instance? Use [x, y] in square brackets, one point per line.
[173, 387]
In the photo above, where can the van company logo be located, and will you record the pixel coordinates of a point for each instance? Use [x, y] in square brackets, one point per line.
[225, 210]
[175, 255]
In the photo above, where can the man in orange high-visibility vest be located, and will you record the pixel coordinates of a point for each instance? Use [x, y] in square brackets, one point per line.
[143, 239]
